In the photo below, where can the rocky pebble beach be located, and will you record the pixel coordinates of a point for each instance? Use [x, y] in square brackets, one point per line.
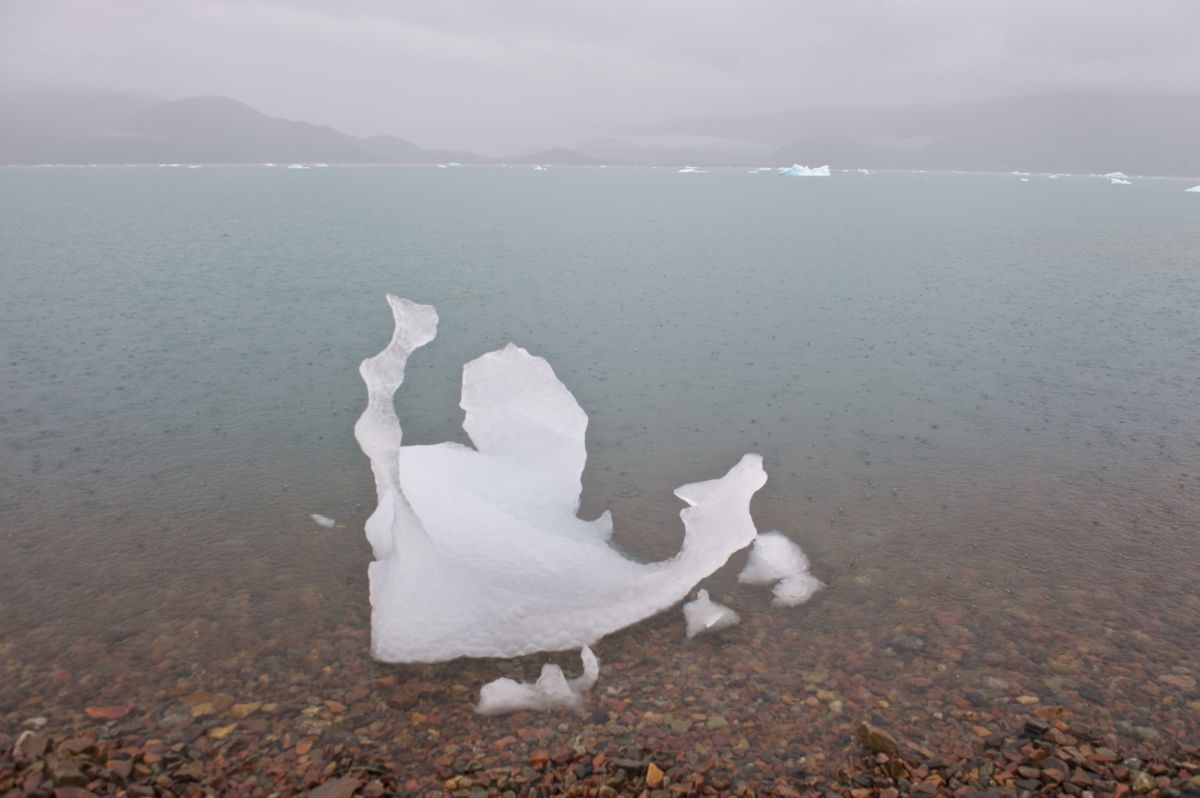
[931, 665]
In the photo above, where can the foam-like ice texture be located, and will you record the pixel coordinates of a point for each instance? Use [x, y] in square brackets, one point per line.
[796, 170]
[775, 558]
[479, 551]
[323, 520]
[705, 615]
[552, 690]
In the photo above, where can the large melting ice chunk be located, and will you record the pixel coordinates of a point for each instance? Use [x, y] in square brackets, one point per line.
[479, 551]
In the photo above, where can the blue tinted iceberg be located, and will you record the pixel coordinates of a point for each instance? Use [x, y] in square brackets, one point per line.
[796, 170]
[479, 551]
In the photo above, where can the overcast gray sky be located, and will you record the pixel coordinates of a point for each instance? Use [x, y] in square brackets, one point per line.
[498, 76]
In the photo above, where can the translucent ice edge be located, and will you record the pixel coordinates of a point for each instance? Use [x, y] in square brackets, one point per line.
[323, 520]
[479, 551]
[552, 690]
[775, 558]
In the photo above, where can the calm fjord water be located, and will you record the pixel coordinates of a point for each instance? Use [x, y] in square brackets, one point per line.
[959, 383]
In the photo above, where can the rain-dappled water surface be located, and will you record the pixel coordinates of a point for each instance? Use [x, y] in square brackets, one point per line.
[975, 397]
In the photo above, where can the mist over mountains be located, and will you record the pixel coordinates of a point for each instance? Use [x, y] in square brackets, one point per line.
[1140, 134]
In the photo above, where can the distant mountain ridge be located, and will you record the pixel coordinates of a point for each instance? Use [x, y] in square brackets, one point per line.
[1070, 132]
[1078, 132]
[117, 129]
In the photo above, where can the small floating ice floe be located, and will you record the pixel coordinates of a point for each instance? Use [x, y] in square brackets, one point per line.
[1115, 175]
[692, 170]
[799, 170]
[1024, 180]
[1119, 181]
[539, 168]
[1193, 190]
[705, 615]
[552, 690]
[864, 171]
[1053, 177]
[775, 558]
[323, 520]
[297, 166]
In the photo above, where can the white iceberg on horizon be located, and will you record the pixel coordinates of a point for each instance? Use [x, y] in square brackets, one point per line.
[1119, 181]
[798, 170]
[296, 166]
[552, 690]
[479, 551]
[1115, 175]
[692, 170]
[1195, 189]
[705, 615]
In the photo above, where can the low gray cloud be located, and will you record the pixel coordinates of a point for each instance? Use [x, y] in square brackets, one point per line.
[500, 76]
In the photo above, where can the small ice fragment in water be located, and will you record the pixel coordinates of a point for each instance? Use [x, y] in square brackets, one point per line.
[794, 590]
[1115, 175]
[797, 170]
[552, 690]
[1195, 189]
[706, 615]
[1117, 181]
[775, 558]
[479, 552]
[323, 520]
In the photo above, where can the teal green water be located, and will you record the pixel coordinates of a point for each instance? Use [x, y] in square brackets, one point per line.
[178, 354]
